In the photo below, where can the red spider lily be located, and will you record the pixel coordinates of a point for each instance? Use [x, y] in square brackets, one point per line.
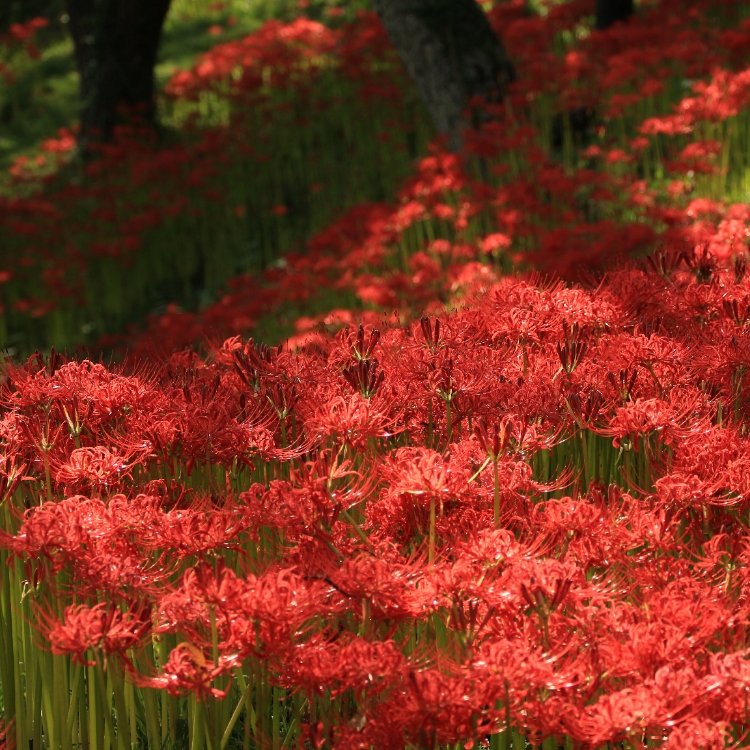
[344, 663]
[701, 733]
[97, 467]
[394, 589]
[363, 377]
[11, 475]
[100, 627]
[353, 420]
[188, 670]
[105, 545]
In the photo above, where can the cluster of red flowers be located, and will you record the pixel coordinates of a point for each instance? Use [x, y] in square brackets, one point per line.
[456, 501]
[533, 509]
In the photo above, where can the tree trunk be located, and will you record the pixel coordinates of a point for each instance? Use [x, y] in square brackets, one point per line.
[115, 42]
[609, 12]
[452, 54]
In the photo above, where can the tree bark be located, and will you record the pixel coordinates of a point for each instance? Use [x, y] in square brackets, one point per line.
[453, 56]
[609, 12]
[116, 43]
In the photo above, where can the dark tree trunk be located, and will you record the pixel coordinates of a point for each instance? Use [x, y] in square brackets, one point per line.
[452, 55]
[609, 12]
[115, 42]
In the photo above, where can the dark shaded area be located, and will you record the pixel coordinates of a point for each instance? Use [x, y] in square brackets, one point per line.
[609, 12]
[18, 11]
[116, 43]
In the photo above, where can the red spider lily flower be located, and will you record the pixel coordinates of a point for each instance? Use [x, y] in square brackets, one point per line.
[100, 627]
[394, 589]
[700, 733]
[672, 698]
[12, 473]
[203, 591]
[675, 418]
[188, 670]
[98, 467]
[433, 706]
[343, 663]
[195, 531]
[105, 545]
[352, 346]
[352, 420]
[419, 471]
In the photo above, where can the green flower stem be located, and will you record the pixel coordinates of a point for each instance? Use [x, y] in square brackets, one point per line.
[586, 471]
[74, 706]
[117, 690]
[251, 719]
[213, 728]
[291, 733]
[151, 715]
[27, 716]
[49, 699]
[103, 685]
[95, 720]
[239, 708]
[8, 662]
[131, 708]
[276, 718]
[197, 723]
[357, 529]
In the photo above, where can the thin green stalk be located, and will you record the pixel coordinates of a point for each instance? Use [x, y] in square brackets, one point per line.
[48, 700]
[131, 707]
[151, 714]
[276, 718]
[214, 728]
[96, 728]
[62, 696]
[73, 707]
[104, 700]
[292, 729]
[357, 529]
[584, 458]
[251, 719]
[115, 680]
[197, 724]
[34, 678]
[239, 708]
[17, 623]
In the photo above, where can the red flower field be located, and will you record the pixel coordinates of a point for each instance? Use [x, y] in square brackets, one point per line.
[463, 459]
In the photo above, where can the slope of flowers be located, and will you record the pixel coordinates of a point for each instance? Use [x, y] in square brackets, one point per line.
[266, 122]
[633, 182]
[248, 175]
[461, 506]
